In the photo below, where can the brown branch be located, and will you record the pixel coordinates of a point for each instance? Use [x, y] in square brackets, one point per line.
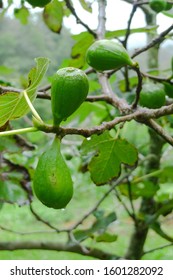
[138, 89]
[156, 249]
[155, 41]
[157, 78]
[114, 184]
[26, 233]
[134, 8]
[38, 218]
[59, 247]
[159, 130]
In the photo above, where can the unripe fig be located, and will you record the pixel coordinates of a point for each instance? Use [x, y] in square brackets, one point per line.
[168, 89]
[68, 91]
[152, 96]
[52, 182]
[157, 5]
[108, 55]
[168, 6]
[38, 3]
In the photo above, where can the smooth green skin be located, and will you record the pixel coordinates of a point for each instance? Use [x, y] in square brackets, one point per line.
[52, 182]
[158, 5]
[69, 90]
[38, 3]
[168, 89]
[107, 55]
[168, 6]
[152, 96]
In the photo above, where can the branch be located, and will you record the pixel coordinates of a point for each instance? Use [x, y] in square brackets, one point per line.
[159, 130]
[129, 24]
[38, 218]
[139, 87]
[36, 245]
[78, 20]
[101, 19]
[154, 41]
[156, 249]
[26, 233]
[116, 183]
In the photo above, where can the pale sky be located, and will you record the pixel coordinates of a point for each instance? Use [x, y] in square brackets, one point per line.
[117, 15]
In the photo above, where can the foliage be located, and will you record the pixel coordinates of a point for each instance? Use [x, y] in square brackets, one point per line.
[110, 141]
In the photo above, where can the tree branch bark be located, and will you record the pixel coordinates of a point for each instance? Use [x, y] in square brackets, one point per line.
[52, 246]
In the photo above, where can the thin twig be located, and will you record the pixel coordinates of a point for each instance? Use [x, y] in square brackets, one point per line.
[156, 249]
[131, 200]
[129, 24]
[78, 20]
[123, 204]
[26, 233]
[118, 181]
[42, 220]
[138, 89]
[154, 125]
[155, 41]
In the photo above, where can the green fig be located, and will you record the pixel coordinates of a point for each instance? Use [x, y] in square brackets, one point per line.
[168, 89]
[52, 181]
[38, 3]
[108, 55]
[68, 91]
[152, 96]
[157, 5]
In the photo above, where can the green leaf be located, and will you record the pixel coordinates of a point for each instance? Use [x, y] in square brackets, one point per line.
[53, 16]
[13, 104]
[109, 154]
[145, 189]
[168, 14]
[107, 237]
[84, 40]
[88, 113]
[11, 191]
[122, 32]
[4, 70]
[22, 14]
[157, 228]
[86, 5]
[100, 225]
[166, 207]
[166, 175]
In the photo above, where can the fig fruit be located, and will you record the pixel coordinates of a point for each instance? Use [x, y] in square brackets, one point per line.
[157, 5]
[52, 181]
[152, 96]
[108, 55]
[38, 3]
[168, 6]
[168, 89]
[68, 91]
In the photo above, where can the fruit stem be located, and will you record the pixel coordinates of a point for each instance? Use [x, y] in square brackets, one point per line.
[18, 131]
[34, 112]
